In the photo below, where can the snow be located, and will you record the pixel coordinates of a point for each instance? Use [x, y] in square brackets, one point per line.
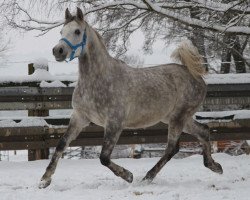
[182, 179]
[41, 75]
[14, 156]
[56, 83]
[56, 114]
[7, 120]
[7, 123]
[38, 76]
[26, 122]
[41, 63]
[227, 78]
[73, 84]
[238, 114]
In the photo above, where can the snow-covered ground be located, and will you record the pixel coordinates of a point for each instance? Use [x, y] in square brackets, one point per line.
[180, 179]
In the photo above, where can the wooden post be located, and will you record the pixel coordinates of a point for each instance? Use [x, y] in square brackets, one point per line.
[37, 154]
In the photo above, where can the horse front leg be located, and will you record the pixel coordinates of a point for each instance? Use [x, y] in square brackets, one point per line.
[111, 136]
[76, 124]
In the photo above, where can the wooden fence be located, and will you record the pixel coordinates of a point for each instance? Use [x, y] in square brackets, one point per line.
[42, 137]
[31, 97]
[25, 97]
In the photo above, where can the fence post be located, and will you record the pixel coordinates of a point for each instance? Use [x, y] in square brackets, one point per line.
[37, 154]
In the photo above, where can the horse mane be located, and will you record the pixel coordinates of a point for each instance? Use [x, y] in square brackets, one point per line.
[99, 37]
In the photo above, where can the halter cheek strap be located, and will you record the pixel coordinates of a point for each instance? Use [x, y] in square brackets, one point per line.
[75, 47]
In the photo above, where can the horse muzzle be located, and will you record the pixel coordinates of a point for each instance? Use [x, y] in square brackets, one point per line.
[60, 53]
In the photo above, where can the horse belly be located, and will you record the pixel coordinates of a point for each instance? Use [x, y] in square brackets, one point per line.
[96, 119]
[145, 118]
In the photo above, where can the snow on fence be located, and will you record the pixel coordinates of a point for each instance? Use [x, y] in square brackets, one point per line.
[40, 92]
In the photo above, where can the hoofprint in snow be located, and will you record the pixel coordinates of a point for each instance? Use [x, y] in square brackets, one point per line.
[88, 179]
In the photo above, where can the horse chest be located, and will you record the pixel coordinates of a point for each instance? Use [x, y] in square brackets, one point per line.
[92, 103]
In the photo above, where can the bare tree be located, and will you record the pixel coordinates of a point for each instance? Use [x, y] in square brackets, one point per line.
[202, 21]
[3, 46]
[133, 60]
[3, 42]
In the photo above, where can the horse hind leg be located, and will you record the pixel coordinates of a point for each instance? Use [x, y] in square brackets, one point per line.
[174, 132]
[201, 132]
[111, 136]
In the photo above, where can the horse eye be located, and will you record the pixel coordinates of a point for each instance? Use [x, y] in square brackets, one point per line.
[77, 32]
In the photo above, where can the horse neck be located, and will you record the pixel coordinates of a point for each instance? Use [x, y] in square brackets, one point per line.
[96, 60]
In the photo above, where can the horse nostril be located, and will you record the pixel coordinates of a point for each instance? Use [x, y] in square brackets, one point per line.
[53, 50]
[61, 50]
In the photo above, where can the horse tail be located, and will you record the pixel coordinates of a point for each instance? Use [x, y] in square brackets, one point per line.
[189, 56]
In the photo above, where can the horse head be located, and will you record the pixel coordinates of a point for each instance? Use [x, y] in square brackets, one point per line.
[74, 37]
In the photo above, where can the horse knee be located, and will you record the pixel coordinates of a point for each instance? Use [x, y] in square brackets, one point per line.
[201, 131]
[61, 144]
[177, 147]
[105, 160]
[205, 128]
[205, 132]
[171, 149]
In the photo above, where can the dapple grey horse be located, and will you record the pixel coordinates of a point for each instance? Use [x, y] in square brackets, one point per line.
[115, 96]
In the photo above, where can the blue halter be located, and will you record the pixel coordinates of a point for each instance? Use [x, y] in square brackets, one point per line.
[75, 47]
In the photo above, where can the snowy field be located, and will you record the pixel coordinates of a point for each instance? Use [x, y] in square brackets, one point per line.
[180, 179]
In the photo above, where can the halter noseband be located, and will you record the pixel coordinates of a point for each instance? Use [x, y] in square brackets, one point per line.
[75, 47]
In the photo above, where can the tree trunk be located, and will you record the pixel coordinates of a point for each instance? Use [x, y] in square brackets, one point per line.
[197, 36]
[232, 48]
[237, 56]
[225, 56]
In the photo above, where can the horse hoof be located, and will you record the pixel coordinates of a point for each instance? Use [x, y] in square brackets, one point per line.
[44, 183]
[129, 178]
[148, 178]
[216, 167]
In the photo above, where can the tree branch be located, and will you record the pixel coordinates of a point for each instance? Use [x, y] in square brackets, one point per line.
[164, 9]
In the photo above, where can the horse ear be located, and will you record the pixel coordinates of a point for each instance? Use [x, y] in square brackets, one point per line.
[67, 14]
[79, 14]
